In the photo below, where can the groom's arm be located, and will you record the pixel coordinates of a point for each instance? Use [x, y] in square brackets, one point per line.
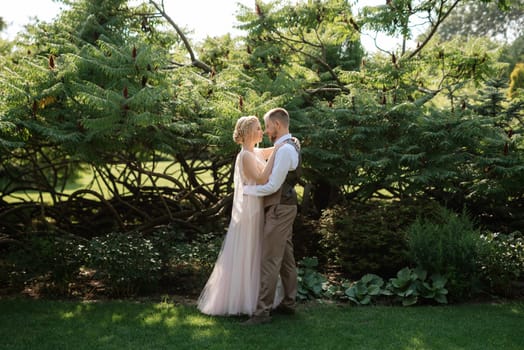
[283, 163]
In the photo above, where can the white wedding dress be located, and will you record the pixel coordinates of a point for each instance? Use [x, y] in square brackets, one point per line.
[232, 288]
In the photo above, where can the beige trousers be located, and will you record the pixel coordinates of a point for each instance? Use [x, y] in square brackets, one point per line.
[277, 258]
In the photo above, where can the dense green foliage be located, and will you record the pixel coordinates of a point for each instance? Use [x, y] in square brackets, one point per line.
[311, 283]
[411, 284]
[502, 262]
[408, 287]
[368, 238]
[447, 244]
[125, 263]
[50, 261]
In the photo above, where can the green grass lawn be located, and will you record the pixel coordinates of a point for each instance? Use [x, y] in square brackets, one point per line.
[39, 324]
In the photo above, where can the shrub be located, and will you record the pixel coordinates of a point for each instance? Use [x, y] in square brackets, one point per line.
[187, 261]
[364, 290]
[126, 263]
[502, 261]
[410, 284]
[407, 287]
[447, 244]
[310, 282]
[51, 259]
[368, 238]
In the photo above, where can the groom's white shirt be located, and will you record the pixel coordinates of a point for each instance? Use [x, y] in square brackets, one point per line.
[286, 160]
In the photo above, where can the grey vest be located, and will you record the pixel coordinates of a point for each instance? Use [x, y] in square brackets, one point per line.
[286, 194]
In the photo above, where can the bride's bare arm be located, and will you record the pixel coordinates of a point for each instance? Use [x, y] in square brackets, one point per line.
[253, 171]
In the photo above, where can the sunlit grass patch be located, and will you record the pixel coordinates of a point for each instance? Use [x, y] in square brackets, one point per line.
[40, 324]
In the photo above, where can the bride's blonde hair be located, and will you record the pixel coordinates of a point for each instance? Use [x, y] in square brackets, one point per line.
[243, 128]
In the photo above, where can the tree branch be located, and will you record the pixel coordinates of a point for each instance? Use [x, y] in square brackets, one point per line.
[440, 18]
[194, 60]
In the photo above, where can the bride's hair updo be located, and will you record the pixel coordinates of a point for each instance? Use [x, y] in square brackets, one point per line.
[243, 128]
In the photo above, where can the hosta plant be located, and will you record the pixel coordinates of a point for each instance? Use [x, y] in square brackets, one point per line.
[363, 291]
[410, 284]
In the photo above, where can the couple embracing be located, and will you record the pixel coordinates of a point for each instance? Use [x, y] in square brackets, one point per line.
[255, 273]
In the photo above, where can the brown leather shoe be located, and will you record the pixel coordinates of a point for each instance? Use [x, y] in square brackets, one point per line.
[256, 320]
[284, 310]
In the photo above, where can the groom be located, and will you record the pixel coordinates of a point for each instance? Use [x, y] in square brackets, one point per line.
[280, 206]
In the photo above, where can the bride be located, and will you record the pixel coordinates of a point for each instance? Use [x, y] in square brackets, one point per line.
[232, 288]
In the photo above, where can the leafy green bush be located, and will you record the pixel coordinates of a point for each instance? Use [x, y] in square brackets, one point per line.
[310, 282]
[406, 287]
[447, 244]
[436, 289]
[126, 263]
[52, 259]
[362, 291]
[410, 284]
[187, 261]
[502, 261]
[369, 238]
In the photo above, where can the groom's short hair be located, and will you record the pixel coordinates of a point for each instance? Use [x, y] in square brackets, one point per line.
[280, 114]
